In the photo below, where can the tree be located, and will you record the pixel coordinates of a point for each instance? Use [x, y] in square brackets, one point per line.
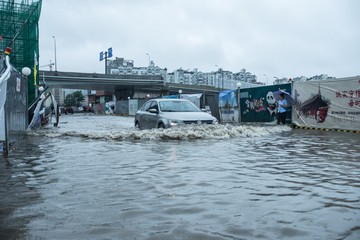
[74, 99]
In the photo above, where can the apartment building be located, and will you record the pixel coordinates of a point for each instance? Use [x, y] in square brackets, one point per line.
[220, 79]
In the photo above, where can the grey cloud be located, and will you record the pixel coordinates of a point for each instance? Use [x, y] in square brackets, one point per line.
[277, 38]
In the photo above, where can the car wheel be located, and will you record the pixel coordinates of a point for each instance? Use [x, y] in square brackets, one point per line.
[161, 125]
[137, 125]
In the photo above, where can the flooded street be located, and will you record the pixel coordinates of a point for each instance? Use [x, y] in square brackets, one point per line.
[97, 177]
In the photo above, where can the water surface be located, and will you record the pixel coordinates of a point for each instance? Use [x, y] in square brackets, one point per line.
[96, 177]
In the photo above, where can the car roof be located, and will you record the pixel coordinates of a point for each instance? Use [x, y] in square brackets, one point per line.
[169, 99]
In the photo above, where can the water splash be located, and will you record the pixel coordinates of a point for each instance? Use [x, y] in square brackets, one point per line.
[126, 131]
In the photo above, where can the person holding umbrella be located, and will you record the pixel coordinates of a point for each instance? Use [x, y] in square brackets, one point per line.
[284, 102]
[282, 109]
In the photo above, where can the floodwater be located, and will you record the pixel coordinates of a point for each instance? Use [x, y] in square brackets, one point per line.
[97, 177]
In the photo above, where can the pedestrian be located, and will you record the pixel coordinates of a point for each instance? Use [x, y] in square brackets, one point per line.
[282, 109]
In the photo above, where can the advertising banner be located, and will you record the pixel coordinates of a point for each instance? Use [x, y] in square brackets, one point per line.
[3, 85]
[133, 106]
[331, 104]
[228, 106]
[259, 104]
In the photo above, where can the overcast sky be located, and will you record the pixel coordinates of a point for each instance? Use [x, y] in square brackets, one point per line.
[269, 38]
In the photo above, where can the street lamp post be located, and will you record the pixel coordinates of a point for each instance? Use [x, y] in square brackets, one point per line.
[55, 53]
[180, 92]
[149, 58]
[26, 72]
[239, 86]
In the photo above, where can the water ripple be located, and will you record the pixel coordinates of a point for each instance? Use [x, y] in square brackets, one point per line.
[96, 177]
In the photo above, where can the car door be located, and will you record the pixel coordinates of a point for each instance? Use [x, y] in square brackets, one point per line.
[153, 117]
[144, 116]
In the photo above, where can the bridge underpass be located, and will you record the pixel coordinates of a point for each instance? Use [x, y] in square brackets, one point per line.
[124, 86]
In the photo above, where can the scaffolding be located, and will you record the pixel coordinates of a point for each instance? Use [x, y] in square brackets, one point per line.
[13, 15]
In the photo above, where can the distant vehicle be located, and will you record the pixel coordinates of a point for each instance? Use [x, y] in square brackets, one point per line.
[68, 110]
[165, 113]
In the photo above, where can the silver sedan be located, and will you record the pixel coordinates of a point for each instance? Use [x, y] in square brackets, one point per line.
[165, 113]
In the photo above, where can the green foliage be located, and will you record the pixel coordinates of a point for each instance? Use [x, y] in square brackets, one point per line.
[74, 99]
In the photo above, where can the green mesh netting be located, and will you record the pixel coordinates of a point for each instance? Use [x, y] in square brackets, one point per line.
[13, 14]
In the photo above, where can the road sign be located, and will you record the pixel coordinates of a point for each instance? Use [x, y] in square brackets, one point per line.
[101, 56]
[110, 52]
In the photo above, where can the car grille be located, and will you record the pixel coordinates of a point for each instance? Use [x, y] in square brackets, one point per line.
[199, 122]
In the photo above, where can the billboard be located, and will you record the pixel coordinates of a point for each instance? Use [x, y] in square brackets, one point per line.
[228, 106]
[331, 104]
[258, 104]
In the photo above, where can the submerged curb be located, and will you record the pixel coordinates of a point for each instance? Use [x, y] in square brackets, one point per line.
[327, 129]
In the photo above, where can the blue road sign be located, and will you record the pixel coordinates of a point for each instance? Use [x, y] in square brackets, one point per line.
[110, 52]
[101, 56]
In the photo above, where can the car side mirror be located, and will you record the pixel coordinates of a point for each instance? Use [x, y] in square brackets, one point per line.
[153, 110]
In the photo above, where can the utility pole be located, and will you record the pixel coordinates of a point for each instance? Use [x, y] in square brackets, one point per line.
[55, 53]
[105, 55]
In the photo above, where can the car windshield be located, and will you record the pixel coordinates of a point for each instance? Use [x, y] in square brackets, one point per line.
[178, 106]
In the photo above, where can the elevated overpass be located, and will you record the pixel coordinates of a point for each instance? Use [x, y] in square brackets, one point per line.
[123, 85]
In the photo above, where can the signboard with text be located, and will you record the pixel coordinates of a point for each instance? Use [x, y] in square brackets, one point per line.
[331, 104]
[257, 104]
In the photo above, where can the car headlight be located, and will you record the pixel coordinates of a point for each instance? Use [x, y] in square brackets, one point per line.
[215, 121]
[175, 122]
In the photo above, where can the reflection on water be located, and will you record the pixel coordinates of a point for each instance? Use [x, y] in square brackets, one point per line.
[96, 177]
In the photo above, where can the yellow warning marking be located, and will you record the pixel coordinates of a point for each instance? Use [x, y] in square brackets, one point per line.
[327, 129]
